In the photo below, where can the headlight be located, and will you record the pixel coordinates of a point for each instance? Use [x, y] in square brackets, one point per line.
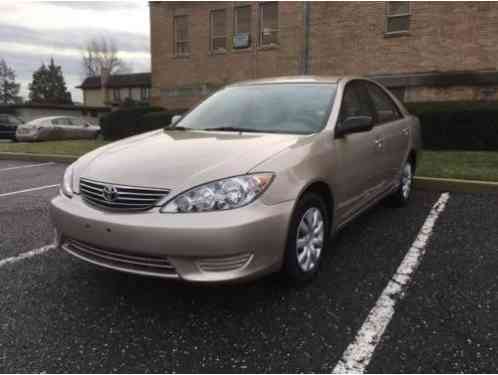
[67, 182]
[221, 195]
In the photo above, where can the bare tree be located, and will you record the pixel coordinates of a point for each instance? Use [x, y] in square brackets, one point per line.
[100, 58]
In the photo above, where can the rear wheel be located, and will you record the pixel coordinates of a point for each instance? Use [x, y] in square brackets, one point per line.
[402, 194]
[307, 238]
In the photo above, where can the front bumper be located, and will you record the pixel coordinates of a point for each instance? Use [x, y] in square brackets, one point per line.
[199, 247]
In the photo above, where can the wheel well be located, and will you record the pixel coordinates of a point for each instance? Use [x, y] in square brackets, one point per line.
[322, 189]
[412, 157]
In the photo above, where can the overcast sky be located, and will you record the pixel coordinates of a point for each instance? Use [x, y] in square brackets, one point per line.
[32, 32]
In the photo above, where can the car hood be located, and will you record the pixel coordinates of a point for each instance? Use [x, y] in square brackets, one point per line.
[178, 160]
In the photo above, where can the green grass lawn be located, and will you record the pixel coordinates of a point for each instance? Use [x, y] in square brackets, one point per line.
[75, 148]
[470, 165]
[466, 165]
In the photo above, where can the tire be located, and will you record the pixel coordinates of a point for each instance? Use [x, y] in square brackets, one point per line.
[310, 207]
[402, 195]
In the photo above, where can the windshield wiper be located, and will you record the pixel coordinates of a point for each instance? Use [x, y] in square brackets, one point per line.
[231, 129]
[176, 128]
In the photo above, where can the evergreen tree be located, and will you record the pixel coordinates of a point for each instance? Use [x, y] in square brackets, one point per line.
[48, 86]
[9, 89]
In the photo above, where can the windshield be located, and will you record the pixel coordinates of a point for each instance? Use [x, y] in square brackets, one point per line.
[278, 108]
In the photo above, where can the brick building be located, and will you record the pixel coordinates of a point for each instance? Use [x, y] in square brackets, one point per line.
[423, 51]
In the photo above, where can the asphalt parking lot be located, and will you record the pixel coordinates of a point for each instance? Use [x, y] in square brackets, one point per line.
[58, 314]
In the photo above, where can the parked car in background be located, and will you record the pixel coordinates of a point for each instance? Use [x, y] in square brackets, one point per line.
[56, 128]
[255, 179]
[8, 126]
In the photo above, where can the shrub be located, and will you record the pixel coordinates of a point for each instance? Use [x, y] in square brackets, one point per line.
[157, 120]
[458, 125]
[124, 122]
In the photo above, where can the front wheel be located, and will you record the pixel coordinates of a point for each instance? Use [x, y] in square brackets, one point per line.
[307, 238]
[401, 196]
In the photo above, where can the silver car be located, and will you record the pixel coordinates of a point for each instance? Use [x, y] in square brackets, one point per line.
[56, 128]
[255, 179]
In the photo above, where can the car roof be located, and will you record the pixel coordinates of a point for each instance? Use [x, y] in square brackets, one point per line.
[291, 79]
[55, 117]
[50, 118]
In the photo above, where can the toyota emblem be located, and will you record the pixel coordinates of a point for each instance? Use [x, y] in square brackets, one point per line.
[110, 193]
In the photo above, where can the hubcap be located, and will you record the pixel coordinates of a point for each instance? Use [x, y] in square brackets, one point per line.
[406, 180]
[309, 241]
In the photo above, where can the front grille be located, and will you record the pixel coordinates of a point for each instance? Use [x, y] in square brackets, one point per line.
[136, 263]
[123, 198]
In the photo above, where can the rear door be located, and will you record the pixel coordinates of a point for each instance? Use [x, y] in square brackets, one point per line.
[65, 128]
[77, 128]
[392, 131]
[358, 157]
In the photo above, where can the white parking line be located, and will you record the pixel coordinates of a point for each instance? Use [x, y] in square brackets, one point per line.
[28, 190]
[26, 166]
[27, 254]
[358, 354]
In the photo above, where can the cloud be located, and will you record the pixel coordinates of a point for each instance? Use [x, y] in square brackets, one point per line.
[32, 33]
[95, 5]
[72, 38]
[49, 16]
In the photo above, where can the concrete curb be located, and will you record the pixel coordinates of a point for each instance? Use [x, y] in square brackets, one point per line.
[454, 185]
[37, 157]
[421, 183]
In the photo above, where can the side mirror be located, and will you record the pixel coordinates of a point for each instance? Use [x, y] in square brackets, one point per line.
[175, 119]
[354, 124]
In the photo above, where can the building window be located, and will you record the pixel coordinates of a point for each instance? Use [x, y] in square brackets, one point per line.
[218, 30]
[144, 93]
[116, 95]
[242, 27]
[397, 17]
[181, 35]
[268, 23]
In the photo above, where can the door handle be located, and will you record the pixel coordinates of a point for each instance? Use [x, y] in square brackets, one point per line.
[379, 142]
[405, 131]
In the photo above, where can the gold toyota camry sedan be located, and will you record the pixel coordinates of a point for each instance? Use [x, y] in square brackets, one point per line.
[253, 180]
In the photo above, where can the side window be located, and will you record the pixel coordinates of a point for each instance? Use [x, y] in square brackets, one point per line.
[385, 108]
[354, 102]
[60, 121]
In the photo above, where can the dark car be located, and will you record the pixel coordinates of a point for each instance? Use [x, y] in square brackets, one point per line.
[8, 126]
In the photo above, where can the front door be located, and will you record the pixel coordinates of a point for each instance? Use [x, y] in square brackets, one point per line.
[358, 156]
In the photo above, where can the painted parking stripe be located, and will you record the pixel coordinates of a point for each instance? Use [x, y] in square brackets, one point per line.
[28, 190]
[26, 255]
[26, 166]
[358, 354]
